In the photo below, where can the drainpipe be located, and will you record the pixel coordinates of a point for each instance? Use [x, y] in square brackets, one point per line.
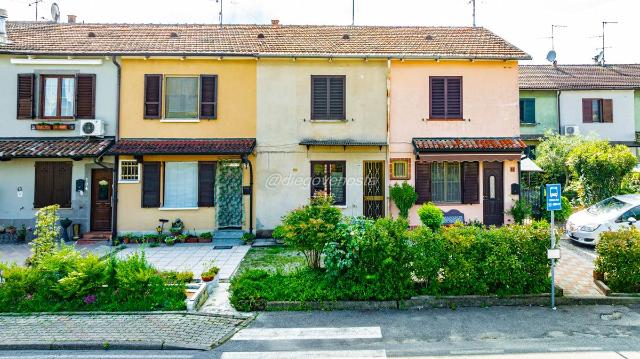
[388, 154]
[245, 159]
[114, 201]
[558, 92]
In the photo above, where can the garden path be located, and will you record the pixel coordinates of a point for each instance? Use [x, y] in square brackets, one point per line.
[574, 272]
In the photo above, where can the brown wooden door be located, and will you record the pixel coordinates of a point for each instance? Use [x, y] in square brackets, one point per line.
[493, 194]
[101, 191]
[373, 189]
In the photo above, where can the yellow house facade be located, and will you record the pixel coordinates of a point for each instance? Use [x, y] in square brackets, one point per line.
[186, 138]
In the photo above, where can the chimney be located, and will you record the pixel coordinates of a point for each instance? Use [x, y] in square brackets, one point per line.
[275, 23]
[71, 19]
[3, 26]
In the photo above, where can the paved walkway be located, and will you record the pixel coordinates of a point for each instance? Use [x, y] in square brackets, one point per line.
[153, 330]
[191, 257]
[574, 272]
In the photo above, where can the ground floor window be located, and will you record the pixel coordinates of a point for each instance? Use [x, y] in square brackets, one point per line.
[53, 184]
[329, 177]
[445, 182]
[129, 171]
[400, 168]
[181, 184]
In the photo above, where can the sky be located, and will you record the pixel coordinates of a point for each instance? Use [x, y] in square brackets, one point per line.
[525, 23]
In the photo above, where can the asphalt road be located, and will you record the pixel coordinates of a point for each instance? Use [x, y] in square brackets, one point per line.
[497, 332]
[583, 250]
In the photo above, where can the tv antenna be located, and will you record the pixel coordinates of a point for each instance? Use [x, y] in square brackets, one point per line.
[55, 12]
[600, 57]
[35, 3]
[353, 12]
[220, 13]
[473, 4]
[553, 36]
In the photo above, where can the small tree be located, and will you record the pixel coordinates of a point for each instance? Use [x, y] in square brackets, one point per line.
[309, 228]
[600, 168]
[431, 216]
[404, 196]
[47, 232]
[552, 154]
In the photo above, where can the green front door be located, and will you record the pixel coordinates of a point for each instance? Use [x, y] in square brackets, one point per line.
[229, 194]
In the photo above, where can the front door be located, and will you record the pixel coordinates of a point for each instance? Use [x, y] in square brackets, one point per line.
[373, 189]
[101, 191]
[229, 195]
[493, 194]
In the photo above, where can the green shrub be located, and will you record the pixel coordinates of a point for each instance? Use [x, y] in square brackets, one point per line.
[47, 232]
[431, 216]
[520, 211]
[310, 228]
[206, 235]
[177, 277]
[404, 196]
[619, 259]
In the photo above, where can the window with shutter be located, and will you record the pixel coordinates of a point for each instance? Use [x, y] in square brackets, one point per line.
[57, 96]
[206, 184]
[528, 110]
[607, 110]
[470, 182]
[445, 182]
[152, 96]
[328, 97]
[445, 97]
[208, 96]
[180, 185]
[151, 184]
[423, 182]
[53, 184]
[26, 94]
[587, 110]
[85, 96]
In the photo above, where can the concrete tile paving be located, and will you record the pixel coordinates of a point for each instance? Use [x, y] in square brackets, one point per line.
[574, 272]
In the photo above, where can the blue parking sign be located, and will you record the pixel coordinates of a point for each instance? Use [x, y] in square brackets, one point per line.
[554, 197]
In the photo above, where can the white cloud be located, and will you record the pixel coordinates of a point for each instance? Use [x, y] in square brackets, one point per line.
[526, 24]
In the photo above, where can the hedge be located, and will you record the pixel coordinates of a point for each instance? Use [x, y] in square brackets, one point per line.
[619, 260]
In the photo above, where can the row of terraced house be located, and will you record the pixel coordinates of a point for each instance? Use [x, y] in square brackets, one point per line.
[231, 127]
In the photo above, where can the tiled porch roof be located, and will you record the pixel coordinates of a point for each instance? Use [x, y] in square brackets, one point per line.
[344, 142]
[475, 144]
[53, 147]
[180, 146]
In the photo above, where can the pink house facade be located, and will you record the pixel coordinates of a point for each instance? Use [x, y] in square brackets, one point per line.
[454, 135]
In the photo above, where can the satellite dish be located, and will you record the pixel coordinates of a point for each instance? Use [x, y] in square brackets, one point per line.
[55, 12]
[551, 56]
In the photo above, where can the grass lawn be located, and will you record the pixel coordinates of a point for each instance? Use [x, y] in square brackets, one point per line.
[272, 259]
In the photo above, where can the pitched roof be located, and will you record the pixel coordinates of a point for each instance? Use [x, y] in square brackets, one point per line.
[579, 77]
[243, 40]
[176, 146]
[52, 148]
[475, 144]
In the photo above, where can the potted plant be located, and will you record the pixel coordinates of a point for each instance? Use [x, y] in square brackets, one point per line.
[177, 227]
[206, 237]
[42, 126]
[170, 241]
[60, 126]
[11, 230]
[248, 238]
[209, 274]
[21, 234]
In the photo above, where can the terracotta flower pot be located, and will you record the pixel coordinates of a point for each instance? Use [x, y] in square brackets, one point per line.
[204, 240]
[192, 240]
[207, 278]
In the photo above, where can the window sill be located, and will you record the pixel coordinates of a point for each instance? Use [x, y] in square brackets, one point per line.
[328, 121]
[176, 120]
[340, 206]
[399, 178]
[446, 119]
[179, 209]
[125, 182]
[528, 124]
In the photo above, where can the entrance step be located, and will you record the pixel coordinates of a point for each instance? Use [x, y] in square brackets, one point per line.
[228, 237]
[95, 237]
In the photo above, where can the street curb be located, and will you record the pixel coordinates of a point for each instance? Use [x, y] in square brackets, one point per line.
[182, 312]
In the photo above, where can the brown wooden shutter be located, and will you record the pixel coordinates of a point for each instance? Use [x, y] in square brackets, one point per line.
[53, 184]
[607, 110]
[150, 184]
[470, 182]
[437, 100]
[85, 96]
[587, 110]
[423, 182]
[454, 97]
[337, 98]
[152, 96]
[319, 98]
[206, 184]
[208, 96]
[26, 93]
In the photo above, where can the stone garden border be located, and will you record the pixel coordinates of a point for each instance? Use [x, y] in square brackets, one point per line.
[607, 291]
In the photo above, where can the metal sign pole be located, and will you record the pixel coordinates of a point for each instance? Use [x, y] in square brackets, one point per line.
[553, 264]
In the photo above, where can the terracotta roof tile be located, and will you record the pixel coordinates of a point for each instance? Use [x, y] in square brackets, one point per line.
[242, 40]
[341, 142]
[170, 146]
[579, 77]
[476, 144]
[52, 148]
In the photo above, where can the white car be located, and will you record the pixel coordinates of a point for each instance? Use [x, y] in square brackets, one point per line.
[608, 215]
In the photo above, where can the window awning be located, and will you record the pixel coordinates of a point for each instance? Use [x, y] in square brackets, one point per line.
[72, 147]
[342, 142]
[469, 149]
[180, 146]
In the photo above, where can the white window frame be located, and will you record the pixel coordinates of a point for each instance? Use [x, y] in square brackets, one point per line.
[165, 191]
[121, 180]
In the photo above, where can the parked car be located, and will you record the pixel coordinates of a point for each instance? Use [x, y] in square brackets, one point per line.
[608, 215]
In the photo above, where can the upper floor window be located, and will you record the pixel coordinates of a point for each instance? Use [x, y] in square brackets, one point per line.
[597, 110]
[60, 96]
[185, 97]
[328, 97]
[445, 97]
[527, 110]
[57, 96]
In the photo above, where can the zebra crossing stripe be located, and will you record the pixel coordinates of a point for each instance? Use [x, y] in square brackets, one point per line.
[327, 354]
[308, 333]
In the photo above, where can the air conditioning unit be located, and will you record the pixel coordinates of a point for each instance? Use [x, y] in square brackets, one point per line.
[93, 128]
[571, 130]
